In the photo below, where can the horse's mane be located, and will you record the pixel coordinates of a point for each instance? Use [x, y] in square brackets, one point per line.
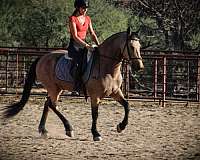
[114, 36]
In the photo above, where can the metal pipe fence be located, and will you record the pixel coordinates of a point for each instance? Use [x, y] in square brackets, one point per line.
[168, 75]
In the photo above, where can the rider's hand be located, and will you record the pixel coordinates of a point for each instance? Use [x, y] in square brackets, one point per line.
[89, 47]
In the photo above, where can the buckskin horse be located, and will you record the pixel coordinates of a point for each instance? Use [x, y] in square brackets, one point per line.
[105, 80]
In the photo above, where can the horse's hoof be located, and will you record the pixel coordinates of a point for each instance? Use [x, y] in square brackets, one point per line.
[97, 138]
[43, 133]
[70, 133]
[119, 130]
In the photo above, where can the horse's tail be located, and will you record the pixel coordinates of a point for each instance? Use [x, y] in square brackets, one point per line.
[14, 109]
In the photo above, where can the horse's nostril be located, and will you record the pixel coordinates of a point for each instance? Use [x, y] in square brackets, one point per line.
[141, 70]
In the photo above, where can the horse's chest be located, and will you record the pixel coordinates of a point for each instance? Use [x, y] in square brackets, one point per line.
[109, 83]
[104, 86]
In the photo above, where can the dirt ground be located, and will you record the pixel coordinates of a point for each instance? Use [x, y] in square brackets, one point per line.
[153, 132]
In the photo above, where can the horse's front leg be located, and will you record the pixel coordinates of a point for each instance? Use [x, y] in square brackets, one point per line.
[120, 98]
[94, 108]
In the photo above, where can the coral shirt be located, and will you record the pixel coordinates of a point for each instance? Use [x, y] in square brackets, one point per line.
[81, 29]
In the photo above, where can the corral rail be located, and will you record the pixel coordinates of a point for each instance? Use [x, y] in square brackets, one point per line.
[168, 75]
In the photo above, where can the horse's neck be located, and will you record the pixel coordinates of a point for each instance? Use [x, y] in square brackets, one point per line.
[110, 58]
[111, 46]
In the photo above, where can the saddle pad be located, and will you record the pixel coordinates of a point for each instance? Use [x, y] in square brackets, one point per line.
[63, 67]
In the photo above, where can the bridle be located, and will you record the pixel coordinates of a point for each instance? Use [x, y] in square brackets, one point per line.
[122, 52]
[120, 58]
[128, 50]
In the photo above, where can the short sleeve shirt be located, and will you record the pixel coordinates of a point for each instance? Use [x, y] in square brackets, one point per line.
[81, 29]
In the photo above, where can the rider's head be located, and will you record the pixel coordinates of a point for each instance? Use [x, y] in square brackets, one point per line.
[81, 4]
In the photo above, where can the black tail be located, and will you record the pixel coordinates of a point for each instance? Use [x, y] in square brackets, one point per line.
[14, 109]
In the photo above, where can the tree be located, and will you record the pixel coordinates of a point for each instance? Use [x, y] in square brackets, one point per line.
[35, 23]
[107, 19]
[44, 23]
[178, 21]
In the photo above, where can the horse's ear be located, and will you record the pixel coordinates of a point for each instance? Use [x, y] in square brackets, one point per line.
[135, 35]
[129, 31]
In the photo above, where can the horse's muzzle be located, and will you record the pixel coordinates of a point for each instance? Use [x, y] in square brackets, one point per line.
[137, 66]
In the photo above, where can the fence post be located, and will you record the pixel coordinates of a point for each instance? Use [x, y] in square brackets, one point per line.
[125, 76]
[155, 78]
[17, 73]
[7, 55]
[198, 80]
[164, 80]
[128, 81]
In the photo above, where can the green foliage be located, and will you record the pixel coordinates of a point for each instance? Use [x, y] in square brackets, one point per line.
[107, 19]
[44, 23]
[34, 23]
[195, 41]
[175, 23]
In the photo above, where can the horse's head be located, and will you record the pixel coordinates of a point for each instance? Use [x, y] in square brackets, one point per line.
[132, 51]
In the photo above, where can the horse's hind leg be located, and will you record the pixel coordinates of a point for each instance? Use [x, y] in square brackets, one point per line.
[41, 127]
[52, 104]
[120, 98]
[68, 127]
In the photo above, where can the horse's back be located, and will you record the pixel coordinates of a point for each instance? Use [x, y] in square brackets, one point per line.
[46, 66]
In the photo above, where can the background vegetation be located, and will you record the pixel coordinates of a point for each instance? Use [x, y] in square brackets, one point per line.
[167, 25]
[44, 23]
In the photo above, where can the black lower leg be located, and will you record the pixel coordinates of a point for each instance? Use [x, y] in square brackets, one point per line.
[41, 127]
[94, 122]
[123, 124]
[66, 123]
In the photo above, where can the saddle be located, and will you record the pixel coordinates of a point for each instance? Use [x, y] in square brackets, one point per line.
[65, 67]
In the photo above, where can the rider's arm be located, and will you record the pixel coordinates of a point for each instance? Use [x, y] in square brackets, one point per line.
[93, 34]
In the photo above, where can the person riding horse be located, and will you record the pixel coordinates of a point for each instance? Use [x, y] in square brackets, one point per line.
[105, 80]
[79, 24]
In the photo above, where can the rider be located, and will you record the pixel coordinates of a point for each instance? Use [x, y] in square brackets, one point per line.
[79, 24]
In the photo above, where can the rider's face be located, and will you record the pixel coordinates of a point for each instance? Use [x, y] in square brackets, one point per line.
[83, 10]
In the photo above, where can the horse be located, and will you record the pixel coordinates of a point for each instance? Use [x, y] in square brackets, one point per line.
[105, 80]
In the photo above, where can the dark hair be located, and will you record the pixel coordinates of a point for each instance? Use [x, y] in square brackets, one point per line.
[75, 12]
